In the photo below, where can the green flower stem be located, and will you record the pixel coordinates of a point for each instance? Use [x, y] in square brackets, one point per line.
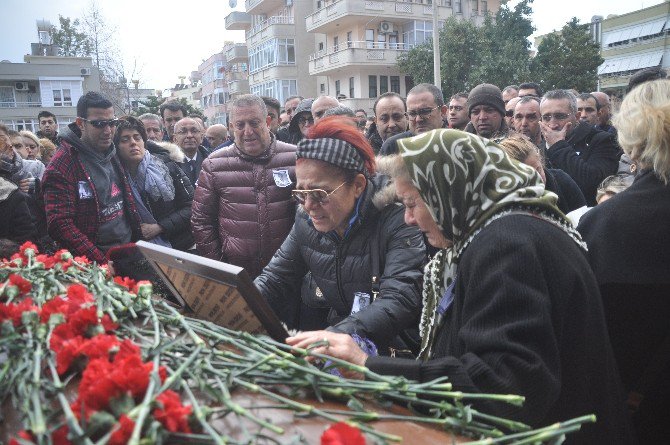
[70, 419]
[197, 410]
[145, 405]
[184, 365]
[181, 319]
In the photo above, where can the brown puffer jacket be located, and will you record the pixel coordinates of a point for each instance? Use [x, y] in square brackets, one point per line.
[242, 209]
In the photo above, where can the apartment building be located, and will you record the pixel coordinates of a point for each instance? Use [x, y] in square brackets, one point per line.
[278, 47]
[631, 42]
[358, 43]
[49, 83]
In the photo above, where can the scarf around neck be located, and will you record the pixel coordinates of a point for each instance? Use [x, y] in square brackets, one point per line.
[153, 178]
[467, 182]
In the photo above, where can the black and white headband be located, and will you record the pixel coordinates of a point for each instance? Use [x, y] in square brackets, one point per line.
[333, 151]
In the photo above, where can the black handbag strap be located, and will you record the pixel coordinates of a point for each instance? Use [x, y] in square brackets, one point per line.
[375, 258]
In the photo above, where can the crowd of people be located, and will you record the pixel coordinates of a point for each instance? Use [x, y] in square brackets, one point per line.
[513, 240]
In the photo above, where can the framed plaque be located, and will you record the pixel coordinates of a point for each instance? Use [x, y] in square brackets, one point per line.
[218, 292]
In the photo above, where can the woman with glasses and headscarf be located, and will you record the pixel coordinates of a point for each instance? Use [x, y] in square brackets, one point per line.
[365, 262]
[510, 305]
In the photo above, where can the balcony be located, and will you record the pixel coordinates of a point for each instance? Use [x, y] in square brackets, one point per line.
[273, 72]
[258, 7]
[237, 53]
[238, 87]
[235, 75]
[329, 18]
[275, 26]
[13, 104]
[349, 54]
[238, 20]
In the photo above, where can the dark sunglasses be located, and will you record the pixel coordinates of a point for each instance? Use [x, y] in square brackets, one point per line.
[317, 195]
[101, 123]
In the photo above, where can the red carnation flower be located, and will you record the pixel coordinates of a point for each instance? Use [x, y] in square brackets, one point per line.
[126, 282]
[342, 434]
[69, 350]
[171, 413]
[25, 435]
[14, 311]
[123, 431]
[20, 282]
[47, 260]
[59, 437]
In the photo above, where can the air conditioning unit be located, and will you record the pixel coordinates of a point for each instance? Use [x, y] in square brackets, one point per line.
[21, 86]
[385, 27]
[85, 71]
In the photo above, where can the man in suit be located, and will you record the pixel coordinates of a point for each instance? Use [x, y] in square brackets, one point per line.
[188, 135]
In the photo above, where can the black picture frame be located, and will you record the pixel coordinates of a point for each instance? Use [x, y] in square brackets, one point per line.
[218, 292]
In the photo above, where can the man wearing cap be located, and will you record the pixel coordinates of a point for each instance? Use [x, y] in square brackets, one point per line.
[426, 111]
[487, 110]
[242, 208]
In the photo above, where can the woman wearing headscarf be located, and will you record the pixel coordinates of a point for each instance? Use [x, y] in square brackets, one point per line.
[629, 250]
[162, 192]
[510, 306]
[365, 262]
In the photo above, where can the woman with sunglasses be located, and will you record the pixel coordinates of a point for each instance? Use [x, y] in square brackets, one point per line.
[510, 306]
[344, 231]
[163, 194]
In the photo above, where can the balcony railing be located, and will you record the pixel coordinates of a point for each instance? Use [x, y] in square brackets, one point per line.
[362, 45]
[21, 104]
[274, 20]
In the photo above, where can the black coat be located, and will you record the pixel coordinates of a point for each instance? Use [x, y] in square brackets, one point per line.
[174, 216]
[16, 221]
[588, 156]
[342, 267]
[629, 250]
[193, 172]
[374, 138]
[527, 319]
[390, 146]
[570, 197]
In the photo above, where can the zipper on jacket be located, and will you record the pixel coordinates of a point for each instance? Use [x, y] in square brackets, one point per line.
[338, 274]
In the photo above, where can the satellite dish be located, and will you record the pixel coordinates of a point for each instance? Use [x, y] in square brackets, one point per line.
[232, 3]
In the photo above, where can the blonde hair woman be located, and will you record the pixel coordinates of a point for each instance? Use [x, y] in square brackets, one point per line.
[629, 249]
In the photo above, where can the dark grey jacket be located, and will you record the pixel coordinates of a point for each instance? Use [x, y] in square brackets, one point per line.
[342, 267]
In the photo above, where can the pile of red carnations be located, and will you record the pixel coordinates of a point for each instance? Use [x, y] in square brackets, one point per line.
[90, 359]
[111, 376]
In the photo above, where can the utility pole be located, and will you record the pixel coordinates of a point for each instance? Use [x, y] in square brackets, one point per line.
[437, 79]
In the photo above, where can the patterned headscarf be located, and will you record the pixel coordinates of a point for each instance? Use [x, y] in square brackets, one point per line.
[467, 182]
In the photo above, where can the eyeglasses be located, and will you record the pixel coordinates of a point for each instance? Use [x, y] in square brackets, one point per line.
[183, 131]
[319, 196]
[397, 117]
[423, 112]
[241, 125]
[558, 116]
[304, 120]
[101, 123]
[509, 113]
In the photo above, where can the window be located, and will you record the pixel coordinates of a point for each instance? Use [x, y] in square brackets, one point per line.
[279, 89]
[409, 83]
[381, 38]
[337, 88]
[395, 84]
[349, 39]
[271, 53]
[370, 38]
[417, 32]
[336, 43]
[372, 86]
[62, 97]
[322, 88]
[484, 7]
[457, 7]
[475, 6]
[320, 46]
[351, 87]
[393, 41]
[7, 97]
[383, 84]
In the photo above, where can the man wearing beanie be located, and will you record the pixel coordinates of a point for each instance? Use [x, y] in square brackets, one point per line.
[487, 111]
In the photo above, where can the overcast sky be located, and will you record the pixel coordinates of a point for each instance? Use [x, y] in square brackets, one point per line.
[169, 39]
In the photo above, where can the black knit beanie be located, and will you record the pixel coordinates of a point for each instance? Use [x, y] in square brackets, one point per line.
[486, 94]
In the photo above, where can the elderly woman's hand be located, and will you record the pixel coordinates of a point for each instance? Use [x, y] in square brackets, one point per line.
[337, 345]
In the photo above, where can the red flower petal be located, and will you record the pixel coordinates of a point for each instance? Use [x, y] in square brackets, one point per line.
[171, 413]
[342, 434]
[20, 282]
[123, 431]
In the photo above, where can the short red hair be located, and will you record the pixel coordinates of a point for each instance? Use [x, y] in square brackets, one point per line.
[345, 129]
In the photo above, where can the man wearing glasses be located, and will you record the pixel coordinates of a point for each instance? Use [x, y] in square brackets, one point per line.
[586, 154]
[426, 111]
[88, 202]
[188, 135]
[242, 208]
